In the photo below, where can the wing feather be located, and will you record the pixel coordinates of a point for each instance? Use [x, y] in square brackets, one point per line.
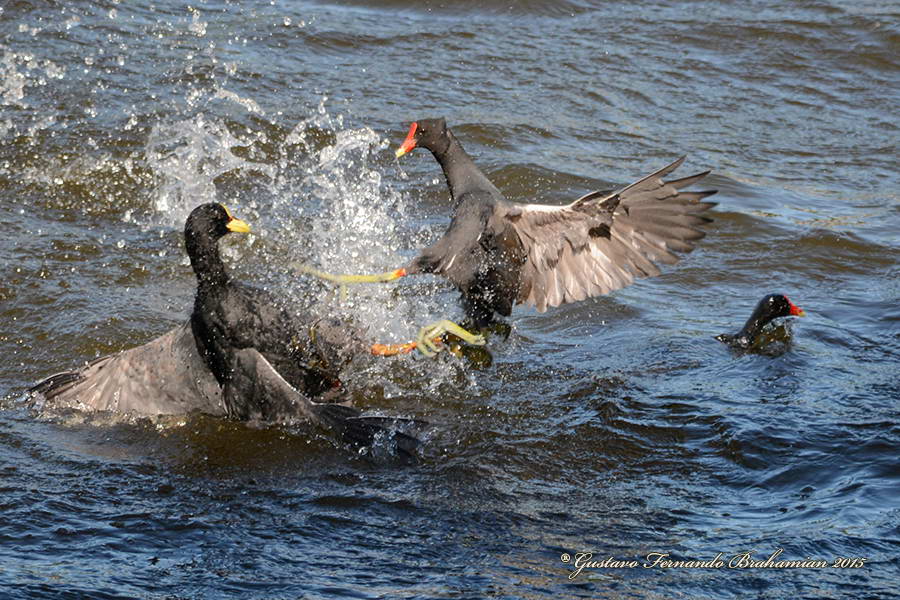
[603, 240]
[164, 376]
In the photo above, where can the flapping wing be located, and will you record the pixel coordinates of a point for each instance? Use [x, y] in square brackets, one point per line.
[164, 376]
[257, 391]
[603, 240]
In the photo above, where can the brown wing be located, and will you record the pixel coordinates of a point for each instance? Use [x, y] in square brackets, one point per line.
[603, 240]
[164, 376]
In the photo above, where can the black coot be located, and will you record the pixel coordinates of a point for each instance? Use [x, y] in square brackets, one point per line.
[242, 355]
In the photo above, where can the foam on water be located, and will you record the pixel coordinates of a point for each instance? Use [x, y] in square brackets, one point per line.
[356, 225]
[320, 203]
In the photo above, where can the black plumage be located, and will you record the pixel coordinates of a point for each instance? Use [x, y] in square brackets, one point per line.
[500, 253]
[236, 324]
[242, 355]
[771, 307]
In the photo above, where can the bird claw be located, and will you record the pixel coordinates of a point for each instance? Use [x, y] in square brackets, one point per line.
[430, 338]
[425, 340]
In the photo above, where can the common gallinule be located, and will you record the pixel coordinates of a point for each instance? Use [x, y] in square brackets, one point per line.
[499, 253]
[769, 308]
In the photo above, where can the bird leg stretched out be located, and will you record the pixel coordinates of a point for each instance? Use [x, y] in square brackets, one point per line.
[344, 280]
[430, 340]
[349, 279]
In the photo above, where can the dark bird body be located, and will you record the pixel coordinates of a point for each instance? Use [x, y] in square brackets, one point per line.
[237, 325]
[500, 253]
[241, 355]
[771, 307]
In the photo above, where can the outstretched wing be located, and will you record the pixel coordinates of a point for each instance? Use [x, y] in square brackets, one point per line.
[603, 240]
[164, 376]
[257, 391]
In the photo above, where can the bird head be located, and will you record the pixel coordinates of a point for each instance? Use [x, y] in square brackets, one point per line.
[214, 220]
[778, 305]
[204, 227]
[427, 133]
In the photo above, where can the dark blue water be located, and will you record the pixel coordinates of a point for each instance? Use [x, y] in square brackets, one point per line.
[616, 426]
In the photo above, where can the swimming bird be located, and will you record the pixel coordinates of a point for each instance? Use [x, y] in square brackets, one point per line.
[243, 354]
[769, 308]
[500, 253]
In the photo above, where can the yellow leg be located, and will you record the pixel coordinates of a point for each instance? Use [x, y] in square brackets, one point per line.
[430, 338]
[348, 279]
[429, 341]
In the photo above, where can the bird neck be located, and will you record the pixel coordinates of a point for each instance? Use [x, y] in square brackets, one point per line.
[460, 170]
[206, 262]
[753, 326]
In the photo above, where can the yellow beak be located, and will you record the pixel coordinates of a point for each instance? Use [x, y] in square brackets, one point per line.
[238, 226]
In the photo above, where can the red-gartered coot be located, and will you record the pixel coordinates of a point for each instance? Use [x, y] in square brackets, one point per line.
[243, 354]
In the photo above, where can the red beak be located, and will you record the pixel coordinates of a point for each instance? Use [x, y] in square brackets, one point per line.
[409, 143]
[796, 311]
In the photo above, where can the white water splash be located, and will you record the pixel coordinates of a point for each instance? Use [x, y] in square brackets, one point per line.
[247, 103]
[358, 226]
[327, 205]
[21, 69]
[197, 27]
[186, 156]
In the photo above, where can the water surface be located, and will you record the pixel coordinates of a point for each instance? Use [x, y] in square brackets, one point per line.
[616, 426]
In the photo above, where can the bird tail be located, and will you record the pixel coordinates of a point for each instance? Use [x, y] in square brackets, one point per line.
[368, 431]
